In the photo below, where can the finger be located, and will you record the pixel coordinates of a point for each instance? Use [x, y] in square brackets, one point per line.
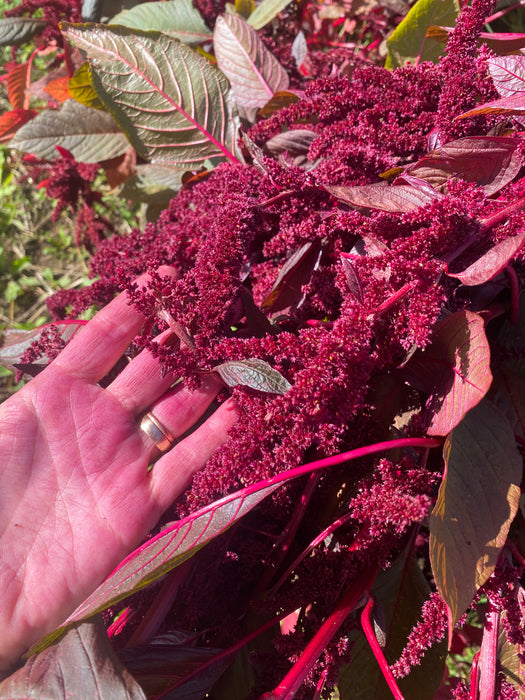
[180, 408]
[141, 382]
[93, 352]
[174, 471]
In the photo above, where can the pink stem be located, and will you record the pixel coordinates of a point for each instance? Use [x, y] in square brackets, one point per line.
[366, 622]
[320, 538]
[122, 620]
[488, 656]
[516, 553]
[503, 12]
[293, 680]
[501, 215]
[395, 297]
[474, 676]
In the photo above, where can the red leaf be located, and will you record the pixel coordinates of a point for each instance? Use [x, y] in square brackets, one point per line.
[10, 122]
[488, 161]
[58, 89]
[514, 104]
[17, 81]
[394, 198]
[492, 262]
[454, 370]
[296, 271]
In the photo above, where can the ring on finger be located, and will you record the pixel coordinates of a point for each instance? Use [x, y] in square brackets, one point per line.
[158, 433]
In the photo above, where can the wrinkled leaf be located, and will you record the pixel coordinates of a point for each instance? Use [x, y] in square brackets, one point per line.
[476, 504]
[352, 279]
[488, 161]
[179, 18]
[15, 342]
[255, 373]
[408, 42]
[10, 122]
[254, 73]
[394, 198]
[82, 665]
[155, 176]
[171, 547]
[492, 262]
[297, 270]
[174, 106]
[266, 11]
[400, 592]
[89, 134]
[17, 30]
[508, 74]
[454, 370]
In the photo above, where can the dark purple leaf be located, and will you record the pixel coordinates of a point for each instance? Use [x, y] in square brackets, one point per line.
[477, 502]
[81, 665]
[352, 279]
[254, 373]
[492, 262]
[296, 142]
[488, 161]
[16, 341]
[296, 272]
[163, 664]
[394, 198]
[454, 370]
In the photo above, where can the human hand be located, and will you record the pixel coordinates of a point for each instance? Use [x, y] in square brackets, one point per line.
[75, 493]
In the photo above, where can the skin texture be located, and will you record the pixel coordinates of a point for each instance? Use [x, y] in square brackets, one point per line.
[75, 493]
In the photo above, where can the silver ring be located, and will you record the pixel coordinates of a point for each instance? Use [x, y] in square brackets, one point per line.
[158, 434]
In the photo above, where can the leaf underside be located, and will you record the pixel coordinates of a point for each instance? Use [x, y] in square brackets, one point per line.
[174, 106]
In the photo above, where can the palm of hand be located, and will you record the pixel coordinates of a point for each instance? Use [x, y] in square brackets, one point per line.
[75, 492]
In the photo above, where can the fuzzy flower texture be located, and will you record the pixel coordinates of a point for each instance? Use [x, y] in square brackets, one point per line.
[272, 266]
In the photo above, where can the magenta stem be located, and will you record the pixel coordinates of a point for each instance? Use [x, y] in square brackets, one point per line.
[501, 215]
[366, 622]
[396, 297]
[488, 655]
[474, 675]
[293, 680]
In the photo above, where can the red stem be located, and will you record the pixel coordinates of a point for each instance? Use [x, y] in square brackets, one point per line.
[501, 215]
[488, 656]
[395, 297]
[293, 680]
[474, 673]
[503, 12]
[368, 629]
[516, 553]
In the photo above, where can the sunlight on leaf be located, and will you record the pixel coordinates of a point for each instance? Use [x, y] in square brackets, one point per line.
[254, 73]
[492, 262]
[89, 134]
[476, 504]
[17, 30]
[255, 373]
[266, 11]
[179, 18]
[171, 103]
[408, 42]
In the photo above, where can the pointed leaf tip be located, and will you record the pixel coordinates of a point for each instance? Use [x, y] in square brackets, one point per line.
[254, 373]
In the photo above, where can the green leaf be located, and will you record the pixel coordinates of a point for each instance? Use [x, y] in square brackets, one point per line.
[255, 373]
[171, 103]
[81, 89]
[476, 504]
[400, 593]
[179, 18]
[408, 42]
[17, 30]
[266, 11]
[90, 134]
[254, 73]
